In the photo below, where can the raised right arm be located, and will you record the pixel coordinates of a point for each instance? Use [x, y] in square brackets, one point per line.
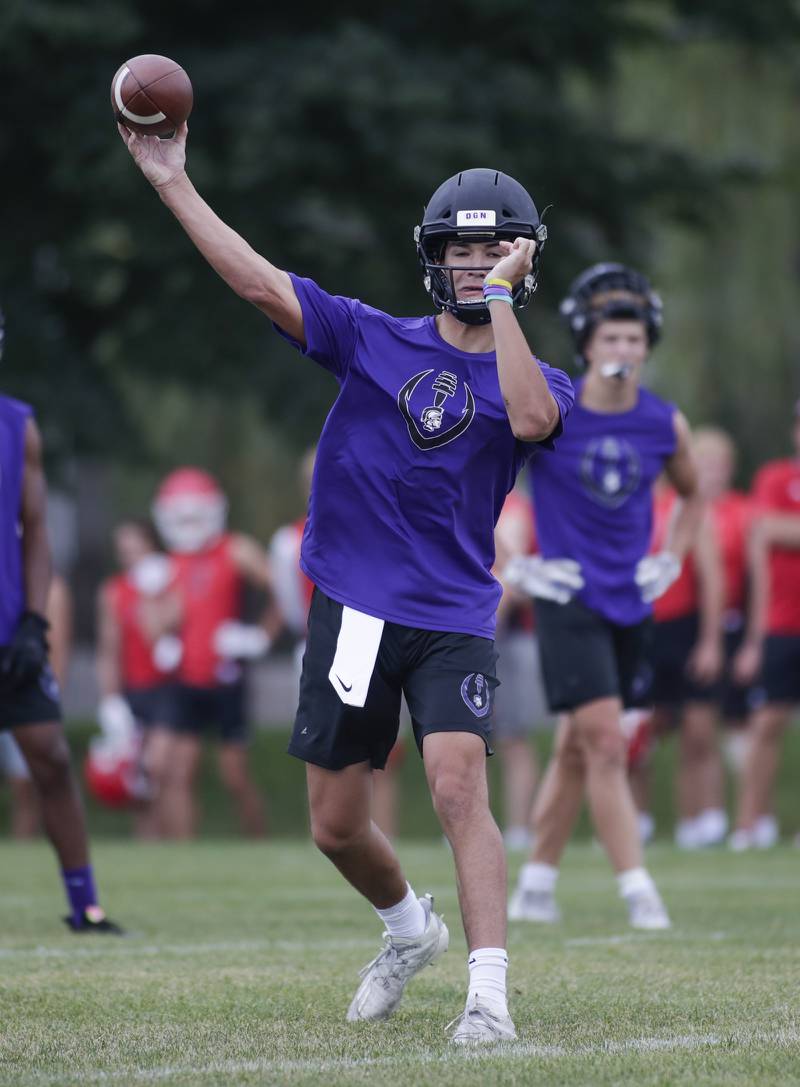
[248, 273]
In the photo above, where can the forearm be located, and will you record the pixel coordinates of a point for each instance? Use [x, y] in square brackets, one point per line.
[781, 530]
[532, 410]
[711, 591]
[37, 564]
[758, 588]
[245, 271]
[685, 525]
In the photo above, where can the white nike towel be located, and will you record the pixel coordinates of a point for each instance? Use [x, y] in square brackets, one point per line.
[356, 652]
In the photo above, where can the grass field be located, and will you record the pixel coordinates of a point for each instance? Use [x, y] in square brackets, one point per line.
[242, 959]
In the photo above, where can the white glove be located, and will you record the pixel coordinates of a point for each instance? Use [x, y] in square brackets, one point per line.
[167, 652]
[152, 574]
[117, 723]
[655, 574]
[240, 641]
[549, 579]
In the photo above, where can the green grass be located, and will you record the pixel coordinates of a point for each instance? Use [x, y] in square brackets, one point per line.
[243, 958]
[283, 781]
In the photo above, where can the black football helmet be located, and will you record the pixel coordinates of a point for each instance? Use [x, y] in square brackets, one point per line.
[610, 292]
[2, 331]
[475, 205]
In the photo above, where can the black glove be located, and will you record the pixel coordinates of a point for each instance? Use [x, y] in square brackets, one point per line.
[26, 654]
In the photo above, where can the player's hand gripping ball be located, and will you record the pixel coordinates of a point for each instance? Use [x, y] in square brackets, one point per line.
[151, 95]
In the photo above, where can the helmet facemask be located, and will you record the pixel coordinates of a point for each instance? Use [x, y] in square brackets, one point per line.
[440, 284]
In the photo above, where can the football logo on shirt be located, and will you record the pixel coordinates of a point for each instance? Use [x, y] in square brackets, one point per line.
[475, 692]
[427, 413]
[610, 470]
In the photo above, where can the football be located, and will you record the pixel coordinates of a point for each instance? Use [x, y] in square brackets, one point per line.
[151, 94]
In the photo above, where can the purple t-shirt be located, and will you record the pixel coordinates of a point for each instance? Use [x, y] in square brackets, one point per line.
[415, 460]
[13, 418]
[593, 499]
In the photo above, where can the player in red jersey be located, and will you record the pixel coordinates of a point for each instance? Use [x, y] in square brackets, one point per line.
[715, 454]
[686, 660]
[771, 649]
[212, 567]
[134, 608]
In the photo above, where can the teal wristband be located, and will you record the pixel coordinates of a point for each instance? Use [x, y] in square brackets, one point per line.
[499, 298]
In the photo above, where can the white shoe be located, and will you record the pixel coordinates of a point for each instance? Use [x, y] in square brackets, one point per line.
[765, 832]
[533, 906]
[477, 1025]
[646, 910]
[385, 978]
[687, 834]
[740, 840]
[712, 826]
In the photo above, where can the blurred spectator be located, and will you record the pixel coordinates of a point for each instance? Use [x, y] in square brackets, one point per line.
[212, 567]
[770, 653]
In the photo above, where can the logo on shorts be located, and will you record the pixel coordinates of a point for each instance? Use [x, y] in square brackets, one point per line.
[48, 684]
[427, 415]
[610, 470]
[476, 694]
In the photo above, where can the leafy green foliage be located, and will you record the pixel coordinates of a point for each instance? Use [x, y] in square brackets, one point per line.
[318, 135]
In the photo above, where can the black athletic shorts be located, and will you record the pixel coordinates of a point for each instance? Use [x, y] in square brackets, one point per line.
[195, 710]
[33, 703]
[152, 705]
[779, 681]
[585, 656]
[448, 680]
[734, 699]
[672, 645]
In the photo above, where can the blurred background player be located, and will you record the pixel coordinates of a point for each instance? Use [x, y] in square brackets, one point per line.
[292, 596]
[25, 814]
[135, 611]
[29, 692]
[520, 702]
[770, 653]
[212, 569]
[685, 660]
[595, 582]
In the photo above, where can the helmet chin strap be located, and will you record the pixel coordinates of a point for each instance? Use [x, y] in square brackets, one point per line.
[617, 371]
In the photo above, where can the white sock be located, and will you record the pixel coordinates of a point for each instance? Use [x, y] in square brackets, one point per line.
[487, 978]
[633, 881]
[538, 877]
[405, 920]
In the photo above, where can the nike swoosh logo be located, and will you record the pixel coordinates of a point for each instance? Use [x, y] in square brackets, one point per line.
[344, 685]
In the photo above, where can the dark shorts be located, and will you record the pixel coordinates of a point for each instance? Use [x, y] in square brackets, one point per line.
[671, 647]
[447, 679]
[734, 699]
[36, 702]
[779, 681]
[585, 656]
[152, 705]
[196, 710]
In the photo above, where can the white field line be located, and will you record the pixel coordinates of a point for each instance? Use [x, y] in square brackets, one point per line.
[646, 937]
[783, 1039]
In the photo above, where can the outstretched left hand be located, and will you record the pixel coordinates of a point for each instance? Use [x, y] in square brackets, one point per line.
[518, 261]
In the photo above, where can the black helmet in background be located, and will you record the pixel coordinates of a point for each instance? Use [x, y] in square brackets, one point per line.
[608, 292]
[475, 206]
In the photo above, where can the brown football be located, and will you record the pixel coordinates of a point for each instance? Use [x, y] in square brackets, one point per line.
[151, 94]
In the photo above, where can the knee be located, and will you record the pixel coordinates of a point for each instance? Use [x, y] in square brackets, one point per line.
[569, 756]
[454, 798]
[605, 749]
[335, 836]
[767, 729]
[50, 765]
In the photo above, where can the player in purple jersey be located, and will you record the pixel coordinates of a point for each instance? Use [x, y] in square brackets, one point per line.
[596, 581]
[434, 418]
[29, 695]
